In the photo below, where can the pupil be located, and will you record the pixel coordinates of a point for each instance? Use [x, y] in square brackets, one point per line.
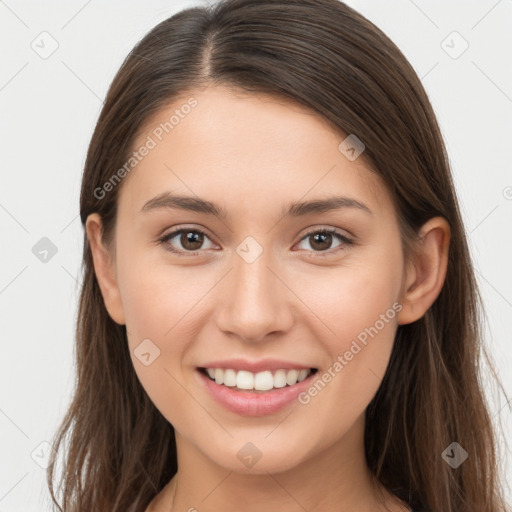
[323, 236]
[192, 237]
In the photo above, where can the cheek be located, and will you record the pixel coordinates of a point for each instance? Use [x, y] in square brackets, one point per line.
[161, 320]
[158, 330]
[155, 295]
[358, 306]
[350, 300]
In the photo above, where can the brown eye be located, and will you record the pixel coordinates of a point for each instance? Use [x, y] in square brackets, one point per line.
[321, 241]
[190, 240]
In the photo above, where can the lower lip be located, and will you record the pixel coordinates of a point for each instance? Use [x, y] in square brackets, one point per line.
[255, 404]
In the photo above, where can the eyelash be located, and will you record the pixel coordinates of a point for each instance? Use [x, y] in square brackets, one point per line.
[345, 240]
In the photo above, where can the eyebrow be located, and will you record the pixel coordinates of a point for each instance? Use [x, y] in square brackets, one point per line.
[168, 200]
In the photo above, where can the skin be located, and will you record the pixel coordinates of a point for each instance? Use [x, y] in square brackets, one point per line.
[252, 155]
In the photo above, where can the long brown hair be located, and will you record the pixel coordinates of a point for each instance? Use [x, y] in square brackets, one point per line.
[324, 55]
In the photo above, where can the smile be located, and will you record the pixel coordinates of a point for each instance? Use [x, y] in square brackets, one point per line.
[266, 380]
[240, 391]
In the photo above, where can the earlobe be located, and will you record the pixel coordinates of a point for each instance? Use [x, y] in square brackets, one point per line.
[426, 272]
[104, 268]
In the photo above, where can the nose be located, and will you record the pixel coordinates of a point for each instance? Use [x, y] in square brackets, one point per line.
[255, 301]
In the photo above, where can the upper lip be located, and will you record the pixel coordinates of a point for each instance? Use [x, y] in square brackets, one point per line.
[255, 366]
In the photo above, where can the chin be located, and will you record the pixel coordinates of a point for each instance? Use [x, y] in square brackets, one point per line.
[258, 458]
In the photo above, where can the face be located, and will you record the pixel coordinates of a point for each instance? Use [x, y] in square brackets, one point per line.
[256, 286]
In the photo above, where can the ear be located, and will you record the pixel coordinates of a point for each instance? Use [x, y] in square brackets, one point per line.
[104, 267]
[426, 271]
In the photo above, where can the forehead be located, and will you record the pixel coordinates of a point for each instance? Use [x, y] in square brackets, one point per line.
[257, 149]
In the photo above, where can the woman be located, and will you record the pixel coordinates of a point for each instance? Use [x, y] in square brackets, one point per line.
[279, 310]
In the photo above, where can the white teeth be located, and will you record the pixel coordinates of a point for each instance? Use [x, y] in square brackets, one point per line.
[261, 381]
[291, 377]
[229, 378]
[244, 380]
[302, 375]
[280, 379]
[219, 376]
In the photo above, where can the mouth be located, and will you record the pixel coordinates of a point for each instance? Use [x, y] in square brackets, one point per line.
[266, 381]
[255, 394]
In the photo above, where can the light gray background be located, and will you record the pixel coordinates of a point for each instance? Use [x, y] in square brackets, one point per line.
[48, 111]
